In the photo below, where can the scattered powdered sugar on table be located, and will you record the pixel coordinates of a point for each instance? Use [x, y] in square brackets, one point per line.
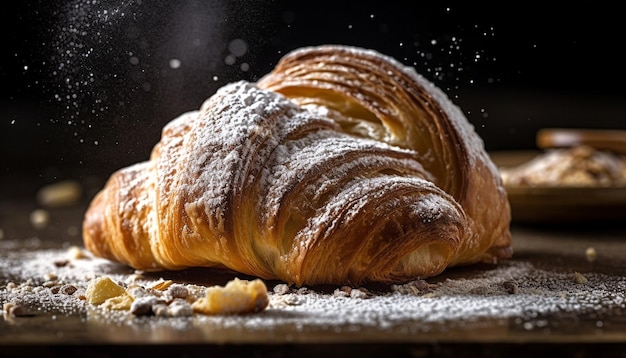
[53, 280]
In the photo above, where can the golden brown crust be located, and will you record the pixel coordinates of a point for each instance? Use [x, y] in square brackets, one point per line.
[366, 174]
[116, 223]
[370, 90]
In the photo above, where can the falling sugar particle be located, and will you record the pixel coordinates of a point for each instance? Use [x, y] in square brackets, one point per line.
[230, 60]
[174, 63]
[238, 47]
[78, 43]
[215, 78]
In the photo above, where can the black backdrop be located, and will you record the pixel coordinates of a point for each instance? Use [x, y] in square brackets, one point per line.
[87, 85]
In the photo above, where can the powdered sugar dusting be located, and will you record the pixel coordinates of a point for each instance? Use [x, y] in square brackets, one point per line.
[327, 159]
[246, 140]
[474, 144]
[515, 294]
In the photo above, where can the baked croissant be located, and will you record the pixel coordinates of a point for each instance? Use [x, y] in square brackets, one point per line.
[341, 166]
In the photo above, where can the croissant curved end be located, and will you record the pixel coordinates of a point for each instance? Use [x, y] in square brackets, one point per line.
[341, 166]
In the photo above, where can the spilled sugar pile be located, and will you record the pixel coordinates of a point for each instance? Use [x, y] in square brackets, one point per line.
[33, 282]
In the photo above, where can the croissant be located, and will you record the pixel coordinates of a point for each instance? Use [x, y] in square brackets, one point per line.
[341, 166]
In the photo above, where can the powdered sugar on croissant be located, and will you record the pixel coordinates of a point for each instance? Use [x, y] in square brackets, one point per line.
[287, 187]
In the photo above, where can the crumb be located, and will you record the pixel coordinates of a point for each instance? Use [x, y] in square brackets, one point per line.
[579, 278]
[16, 310]
[238, 296]
[50, 276]
[122, 302]
[510, 287]
[281, 289]
[63, 193]
[162, 285]
[137, 291]
[303, 290]
[160, 309]
[68, 289]
[416, 288]
[7, 306]
[289, 299]
[64, 289]
[359, 293]
[49, 284]
[143, 306]
[101, 289]
[61, 263]
[591, 254]
[177, 291]
[39, 218]
[130, 279]
[179, 308]
[340, 293]
[75, 253]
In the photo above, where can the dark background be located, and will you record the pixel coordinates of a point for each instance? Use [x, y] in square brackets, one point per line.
[88, 85]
